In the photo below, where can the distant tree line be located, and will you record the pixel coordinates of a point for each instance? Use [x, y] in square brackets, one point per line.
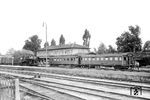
[128, 41]
[102, 49]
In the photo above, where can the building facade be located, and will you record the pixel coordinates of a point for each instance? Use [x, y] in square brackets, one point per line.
[59, 50]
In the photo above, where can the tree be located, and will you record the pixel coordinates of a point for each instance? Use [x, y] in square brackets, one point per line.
[53, 42]
[33, 44]
[11, 51]
[46, 43]
[129, 41]
[111, 49]
[95, 50]
[61, 40]
[135, 32]
[86, 38]
[146, 46]
[102, 49]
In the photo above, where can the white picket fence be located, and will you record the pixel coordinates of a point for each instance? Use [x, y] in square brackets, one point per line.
[9, 89]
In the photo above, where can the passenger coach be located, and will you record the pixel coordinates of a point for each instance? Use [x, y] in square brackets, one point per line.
[118, 61]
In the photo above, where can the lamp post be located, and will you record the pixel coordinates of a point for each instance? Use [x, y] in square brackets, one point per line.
[44, 24]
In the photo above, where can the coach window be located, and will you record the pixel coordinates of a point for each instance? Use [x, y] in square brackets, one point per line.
[111, 58]
[93, 59]
[106, 58]
[116, 58]
[89, 59]
[97, 58]
[102, 58]
[120, 58]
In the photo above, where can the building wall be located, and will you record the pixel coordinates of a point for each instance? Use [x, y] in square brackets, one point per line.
[61, 52]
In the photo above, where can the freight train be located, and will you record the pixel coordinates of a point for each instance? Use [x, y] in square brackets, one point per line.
[6, 60]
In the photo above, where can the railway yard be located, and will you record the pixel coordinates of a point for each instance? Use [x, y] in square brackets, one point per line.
[38, 83]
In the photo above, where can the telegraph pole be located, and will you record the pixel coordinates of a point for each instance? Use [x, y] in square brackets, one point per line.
[44, 24]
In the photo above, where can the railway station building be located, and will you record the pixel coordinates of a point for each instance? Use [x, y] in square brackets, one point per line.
[59, 50]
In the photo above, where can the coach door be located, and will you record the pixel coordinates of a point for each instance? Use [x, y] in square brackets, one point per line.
[130, 60]
[79, 60]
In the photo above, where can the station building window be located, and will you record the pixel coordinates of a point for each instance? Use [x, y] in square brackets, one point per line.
[71, 59]
[67, 59]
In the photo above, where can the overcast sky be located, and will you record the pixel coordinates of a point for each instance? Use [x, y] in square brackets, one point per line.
[105, 20]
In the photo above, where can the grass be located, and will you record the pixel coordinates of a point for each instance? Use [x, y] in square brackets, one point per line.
[103, 74]
[94, 73]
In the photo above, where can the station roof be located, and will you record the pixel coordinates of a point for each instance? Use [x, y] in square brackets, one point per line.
[66, 46]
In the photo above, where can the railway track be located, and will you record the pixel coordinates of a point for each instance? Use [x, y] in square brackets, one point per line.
[75, 93]
[96, 93]
[84, 83]
[102, 68]
[45, 93]
[34, 93]
[83, 79]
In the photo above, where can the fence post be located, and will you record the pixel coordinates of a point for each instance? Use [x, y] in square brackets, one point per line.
[12, 61]
[17, 92]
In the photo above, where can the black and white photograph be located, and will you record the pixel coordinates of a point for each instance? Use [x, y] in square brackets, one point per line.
[74, 49]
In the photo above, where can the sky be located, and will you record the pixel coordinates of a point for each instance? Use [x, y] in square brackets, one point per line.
[105, 20]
